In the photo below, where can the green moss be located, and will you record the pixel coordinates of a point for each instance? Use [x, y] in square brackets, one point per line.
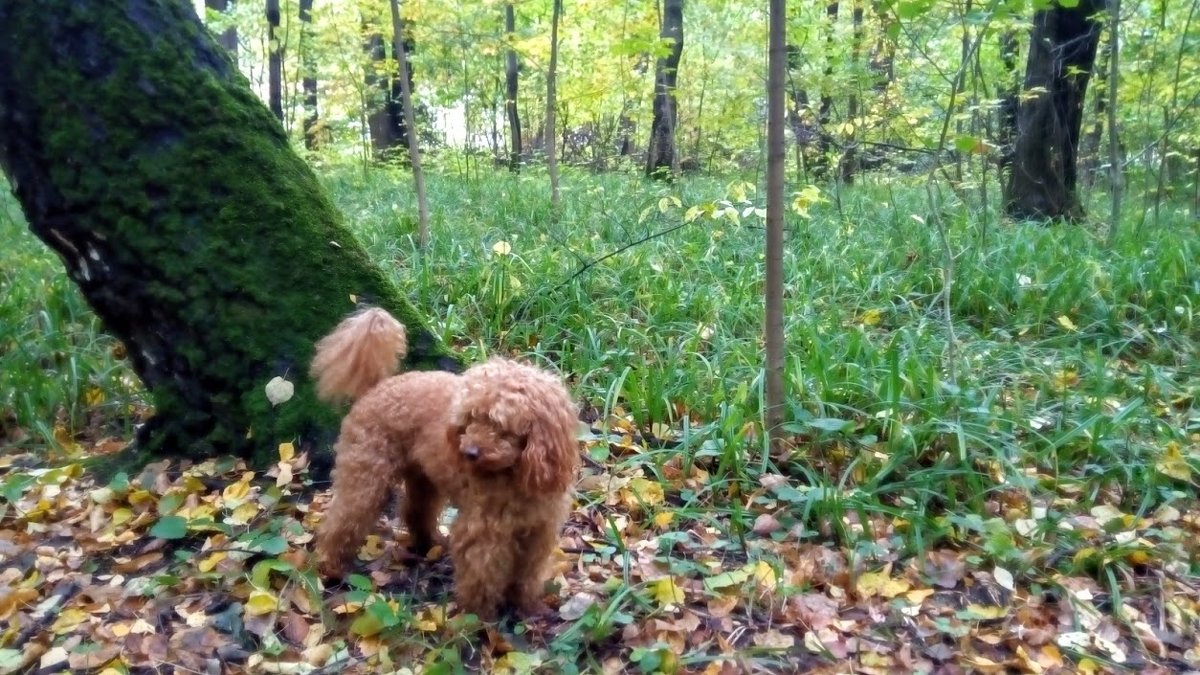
[227, 259]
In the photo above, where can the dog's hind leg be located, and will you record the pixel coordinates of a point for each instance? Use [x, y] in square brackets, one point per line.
[421, 508]
[362, 482]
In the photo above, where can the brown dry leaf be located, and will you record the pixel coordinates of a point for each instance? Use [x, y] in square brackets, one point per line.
[813, 610]
[945, 568]
[93, 659]
[773, 639]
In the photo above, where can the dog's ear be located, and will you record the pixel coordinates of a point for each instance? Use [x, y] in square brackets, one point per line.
[550, 458]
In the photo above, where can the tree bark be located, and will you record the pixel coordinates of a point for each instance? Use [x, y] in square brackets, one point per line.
[773, 328]
[552, 109]
[825, 109]
[661, 159]
[385, 121]
[1062, 52]
[228, 37]
[308, 78]
[193, 230]
[274, 61]
[1115, 177]
[848, 165]
[414, 152]
[1009, 96]
[511, 85]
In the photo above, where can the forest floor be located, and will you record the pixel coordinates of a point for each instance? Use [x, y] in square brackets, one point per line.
[1018, 495]
[208, 569]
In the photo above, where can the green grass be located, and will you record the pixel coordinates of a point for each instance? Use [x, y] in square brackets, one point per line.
[1069, 353]
[1075, 385]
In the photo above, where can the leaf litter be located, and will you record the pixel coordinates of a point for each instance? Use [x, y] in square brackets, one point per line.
[208, 568]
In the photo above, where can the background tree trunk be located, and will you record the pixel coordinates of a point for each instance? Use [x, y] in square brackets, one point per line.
[195, 232]
[414, 151]
[1009, 97]
[274, 61]
[228, 37]
[308, 78]
[385, 121]
[511, 84]
[825, 109]
[1062, 52]
[777, 58]
[848, 164]
[551, 108]
[661, 157]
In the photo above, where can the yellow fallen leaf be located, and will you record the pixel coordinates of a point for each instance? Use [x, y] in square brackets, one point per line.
[871, 317]
[641, 491]
[501, 248]
[243, 514]
[121, 516]
[236, 492]
[429, 620]
[881, 584]
[917, 596]
[260, 603]
[663, 519]
[1065, 322]
[286, 452]
[764, 575]
[666, 592]
[1173, 464]
[210, 563]
[68, 620]
[986, 612]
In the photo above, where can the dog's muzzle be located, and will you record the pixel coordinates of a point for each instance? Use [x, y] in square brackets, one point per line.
[471, 452]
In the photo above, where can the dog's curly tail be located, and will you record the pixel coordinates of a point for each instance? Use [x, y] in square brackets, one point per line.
[364, 349]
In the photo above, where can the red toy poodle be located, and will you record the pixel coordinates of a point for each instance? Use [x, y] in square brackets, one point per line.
[497, 442]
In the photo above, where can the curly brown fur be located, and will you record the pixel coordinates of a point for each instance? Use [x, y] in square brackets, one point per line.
[498, 442]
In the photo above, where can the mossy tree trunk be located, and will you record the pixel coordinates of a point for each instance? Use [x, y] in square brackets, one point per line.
[176, 204]
[1062, 52]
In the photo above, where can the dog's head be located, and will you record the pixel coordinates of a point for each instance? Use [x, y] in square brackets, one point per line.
[513, 419]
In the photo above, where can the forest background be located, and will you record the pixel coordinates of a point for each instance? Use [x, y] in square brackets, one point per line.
[992, 429]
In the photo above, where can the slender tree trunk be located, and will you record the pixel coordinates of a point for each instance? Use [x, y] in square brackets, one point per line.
[825, 109]
[308, 80]
[883, 53]
[228, 37]
[1009, 97]
[274, 61]
[193, 230]
[512, 80]
[661, 156]
[774, 338]
[848, 165]
[1062, 52]
[414, 152]
[551, 107]
[1116, 180]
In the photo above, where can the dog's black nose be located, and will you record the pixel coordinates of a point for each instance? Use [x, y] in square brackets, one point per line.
[471, 452]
